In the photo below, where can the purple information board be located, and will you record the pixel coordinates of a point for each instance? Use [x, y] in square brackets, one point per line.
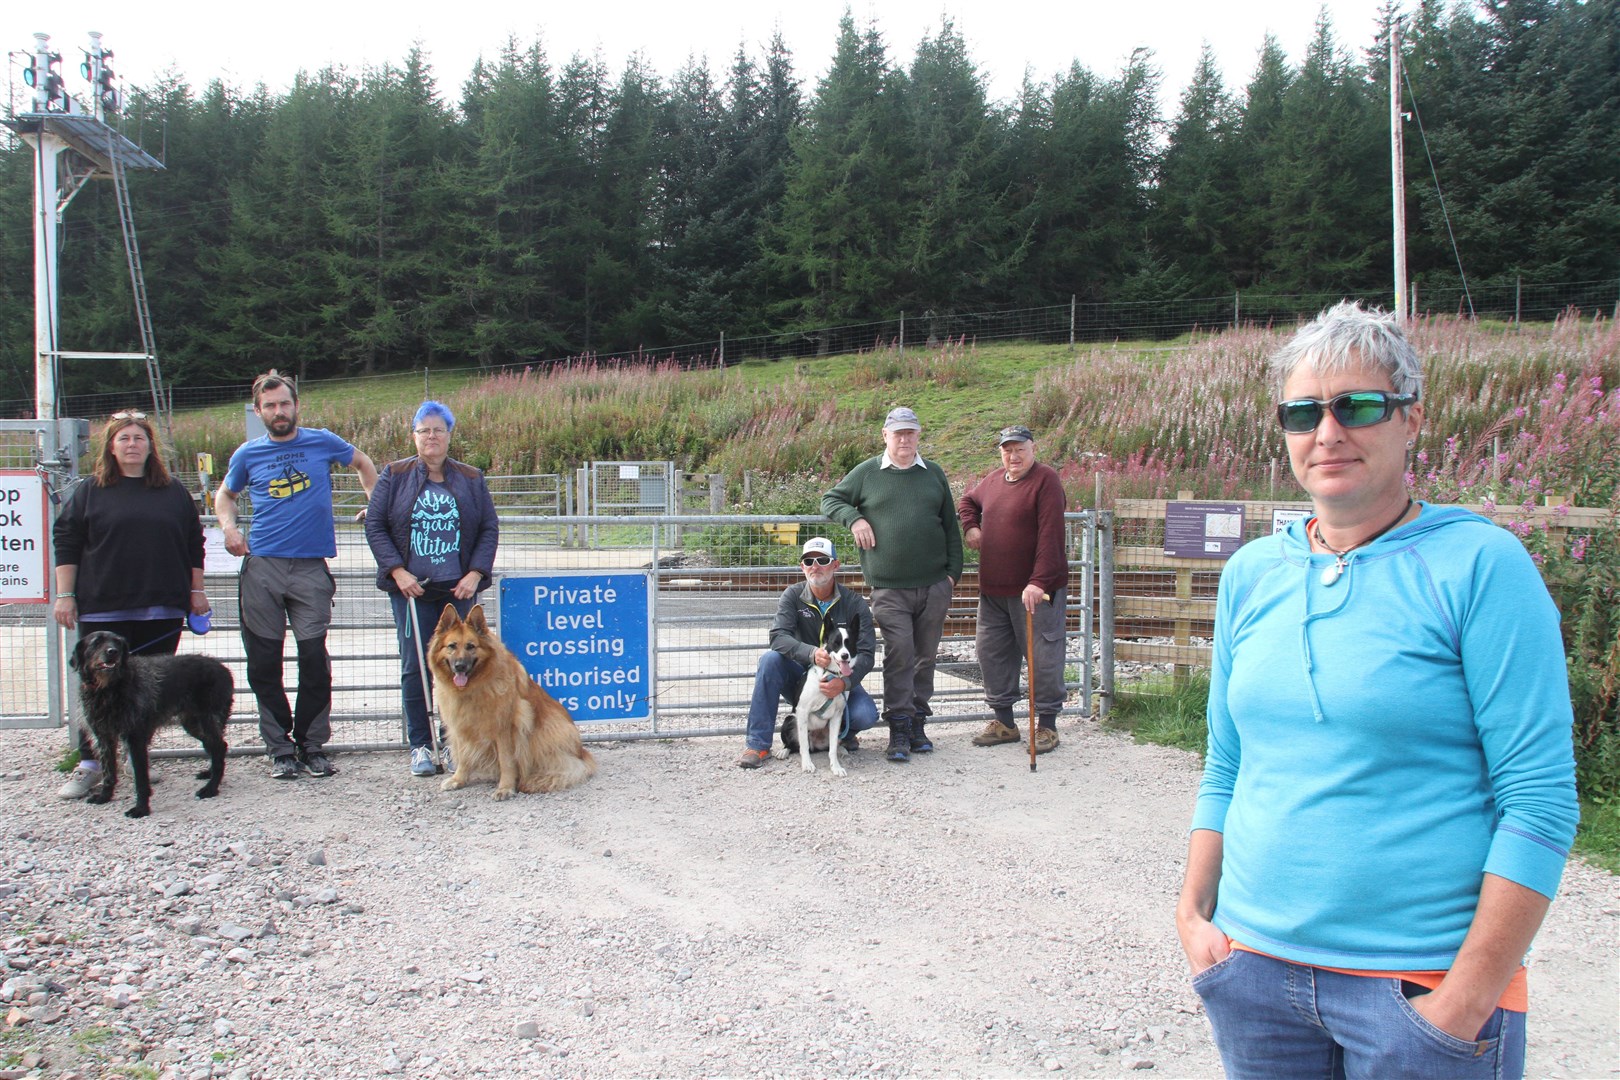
[1202, 530]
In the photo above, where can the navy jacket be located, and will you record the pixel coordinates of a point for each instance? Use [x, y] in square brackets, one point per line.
[388, 517]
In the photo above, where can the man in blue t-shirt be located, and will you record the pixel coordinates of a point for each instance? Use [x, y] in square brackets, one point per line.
[287, 473]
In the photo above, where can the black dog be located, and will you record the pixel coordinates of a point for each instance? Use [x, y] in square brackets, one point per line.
[129, 697]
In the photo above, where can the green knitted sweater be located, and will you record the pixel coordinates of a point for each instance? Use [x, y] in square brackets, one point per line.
[913, 519]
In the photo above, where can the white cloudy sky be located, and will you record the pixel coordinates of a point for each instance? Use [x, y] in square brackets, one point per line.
[269, 42]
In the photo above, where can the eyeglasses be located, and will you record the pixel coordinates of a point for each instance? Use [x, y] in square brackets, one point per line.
[438, 432]
[129, 414]
[1357, 409]
[815, 560]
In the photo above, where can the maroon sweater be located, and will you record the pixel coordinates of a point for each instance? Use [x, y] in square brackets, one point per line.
[1022, 525]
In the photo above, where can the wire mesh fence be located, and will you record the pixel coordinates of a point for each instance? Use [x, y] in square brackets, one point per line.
[1071, 321]
[714, 581]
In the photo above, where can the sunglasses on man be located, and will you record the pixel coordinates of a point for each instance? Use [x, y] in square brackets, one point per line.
[815, 560]
[1357, 409]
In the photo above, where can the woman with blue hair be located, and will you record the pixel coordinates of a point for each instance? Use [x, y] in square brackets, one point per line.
[431, 525]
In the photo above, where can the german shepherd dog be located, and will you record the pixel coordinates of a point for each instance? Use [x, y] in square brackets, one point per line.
[129, 697]
[501, 723]
[817, 719]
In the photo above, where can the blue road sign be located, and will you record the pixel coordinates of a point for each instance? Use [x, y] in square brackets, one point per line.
[586, 637]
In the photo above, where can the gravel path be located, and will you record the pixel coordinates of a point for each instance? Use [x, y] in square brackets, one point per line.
[676, 916]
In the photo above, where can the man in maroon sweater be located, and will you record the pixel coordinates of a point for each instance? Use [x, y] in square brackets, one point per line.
[1014, 518]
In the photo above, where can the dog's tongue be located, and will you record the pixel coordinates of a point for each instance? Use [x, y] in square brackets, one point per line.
[459, 679]
[845, 670]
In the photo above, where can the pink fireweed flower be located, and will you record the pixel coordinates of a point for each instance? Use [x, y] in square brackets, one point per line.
[1577, 550]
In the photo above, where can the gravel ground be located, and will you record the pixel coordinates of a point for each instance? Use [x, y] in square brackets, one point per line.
[677, 916]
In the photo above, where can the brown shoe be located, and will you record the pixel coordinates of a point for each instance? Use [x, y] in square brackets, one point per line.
[753, 759]
[1046, 740]
[995, 733]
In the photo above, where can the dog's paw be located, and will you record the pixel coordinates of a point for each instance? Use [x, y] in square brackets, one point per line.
[452, 782]
[780, 753]
[808, 766]
[202, 774]
[207, 791]
[96, 798]
[138, 811]
[839, 770]
[502, 794]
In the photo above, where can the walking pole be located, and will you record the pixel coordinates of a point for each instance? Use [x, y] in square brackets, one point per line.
[1029, 658]
[427, 685]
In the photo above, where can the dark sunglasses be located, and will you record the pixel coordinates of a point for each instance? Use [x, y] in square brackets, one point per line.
[815, 560]
[1357, 409]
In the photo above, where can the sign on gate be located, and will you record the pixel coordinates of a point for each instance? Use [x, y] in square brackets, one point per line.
[586, 637]
[23, 576]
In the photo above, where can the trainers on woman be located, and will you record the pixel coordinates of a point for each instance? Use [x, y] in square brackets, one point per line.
[79, 782]
[446, 759]
[421, 761]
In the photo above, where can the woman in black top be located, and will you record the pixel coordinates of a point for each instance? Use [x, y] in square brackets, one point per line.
[129, 556]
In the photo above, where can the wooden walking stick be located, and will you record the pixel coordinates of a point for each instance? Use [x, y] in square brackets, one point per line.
[1029, 659]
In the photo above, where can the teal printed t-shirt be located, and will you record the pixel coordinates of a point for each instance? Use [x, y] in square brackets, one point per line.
[435, 535]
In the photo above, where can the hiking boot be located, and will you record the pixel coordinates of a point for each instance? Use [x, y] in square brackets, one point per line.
[79, 782]
[284, 768]
[753, 759]
[1046, 740]
[422, 761]
[899, 748]
[995, 733]
[920, 742]
[315, 763]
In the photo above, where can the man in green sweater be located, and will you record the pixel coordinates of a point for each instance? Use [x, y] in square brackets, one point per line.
[900, 511]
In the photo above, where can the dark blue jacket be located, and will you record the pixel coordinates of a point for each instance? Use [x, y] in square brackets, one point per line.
[388, 517]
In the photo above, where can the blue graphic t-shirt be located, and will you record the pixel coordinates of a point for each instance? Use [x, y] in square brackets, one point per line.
[435, 535]
[290, 486]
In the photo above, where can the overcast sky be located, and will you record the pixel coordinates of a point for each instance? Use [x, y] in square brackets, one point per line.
[248, 44]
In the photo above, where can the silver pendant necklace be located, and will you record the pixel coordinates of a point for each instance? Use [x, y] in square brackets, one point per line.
[1341, 563]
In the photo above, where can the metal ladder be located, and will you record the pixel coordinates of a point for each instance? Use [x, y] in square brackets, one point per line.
[143, 310]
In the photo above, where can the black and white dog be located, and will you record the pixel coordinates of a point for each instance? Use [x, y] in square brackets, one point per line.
[817, 719]
[129, 697]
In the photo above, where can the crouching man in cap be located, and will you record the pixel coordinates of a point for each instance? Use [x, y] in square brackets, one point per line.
[806, 617]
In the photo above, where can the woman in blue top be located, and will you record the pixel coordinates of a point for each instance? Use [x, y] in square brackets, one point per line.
[431, 525]
[1388, 797]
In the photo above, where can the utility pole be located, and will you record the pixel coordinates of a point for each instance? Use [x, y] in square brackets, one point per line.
[1397, 160]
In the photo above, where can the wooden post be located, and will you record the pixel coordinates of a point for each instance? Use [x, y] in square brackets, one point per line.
[1184, 590]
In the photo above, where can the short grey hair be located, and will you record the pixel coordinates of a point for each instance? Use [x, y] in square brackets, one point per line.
[1346, 336]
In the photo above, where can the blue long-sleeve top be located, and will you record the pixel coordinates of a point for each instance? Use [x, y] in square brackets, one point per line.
[1377, 744]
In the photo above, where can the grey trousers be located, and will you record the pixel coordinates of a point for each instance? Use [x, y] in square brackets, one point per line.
[1002, 648]
[275, 593]
[912, 622]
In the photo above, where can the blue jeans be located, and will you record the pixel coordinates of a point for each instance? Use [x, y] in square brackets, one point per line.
[779, 679]
[1273, 1018]
[410, 672]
